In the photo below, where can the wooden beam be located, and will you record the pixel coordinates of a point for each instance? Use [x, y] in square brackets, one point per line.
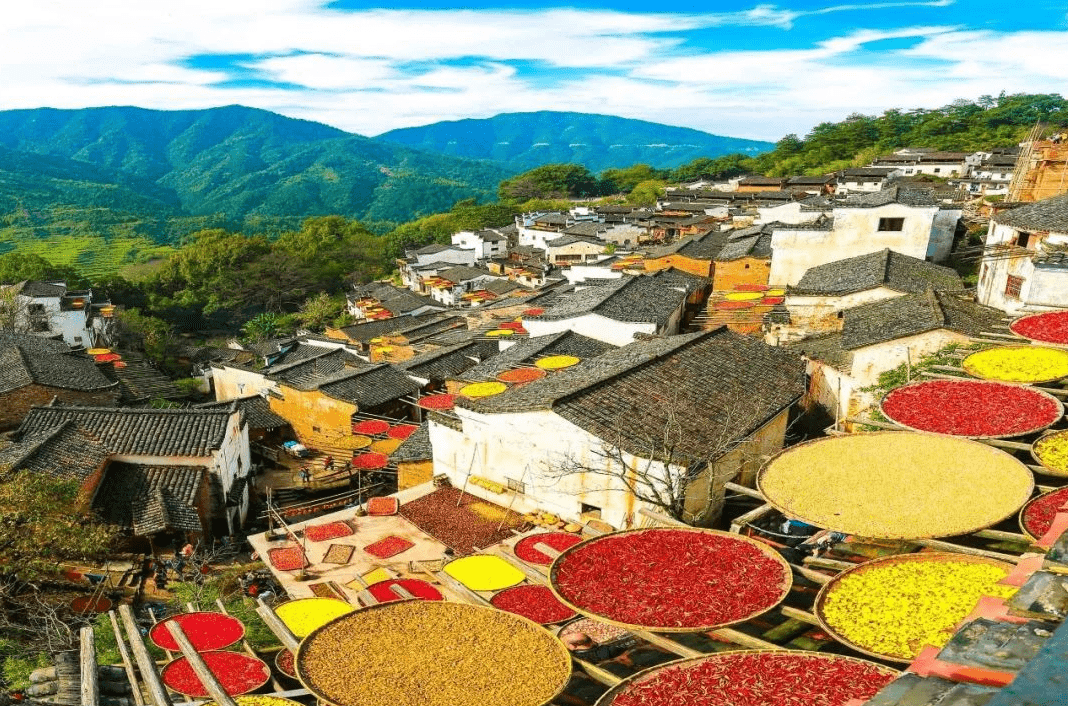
[459, 589]
[751, 492]
[742, 520]
[145, 662]
[1007, 336]
[950, 547]
[275, 684]
[740, 638]
[1002, 444]
[1003, 536]
[811, 575]
[822, 563]
[275, 625]
[532, 573]
[873, 423]
[200, 667]
[667, 644]
[131, 675]
[90, 687]
[796, 614]
[596, 673]
[660, 517]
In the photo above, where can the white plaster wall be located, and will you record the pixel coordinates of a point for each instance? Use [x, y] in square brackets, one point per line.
[786, 213]
[1049, 287]
[869, 362]
[455, 256]
[578, 273]
[943, 228]
[232, 383]
[593, 325]
[814, 310]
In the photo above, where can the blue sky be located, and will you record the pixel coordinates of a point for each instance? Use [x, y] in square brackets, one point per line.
[747, 69]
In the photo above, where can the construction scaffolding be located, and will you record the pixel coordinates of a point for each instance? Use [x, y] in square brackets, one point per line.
[1042, 168]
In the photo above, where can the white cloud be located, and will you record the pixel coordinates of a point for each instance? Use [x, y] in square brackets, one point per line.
[369, 71]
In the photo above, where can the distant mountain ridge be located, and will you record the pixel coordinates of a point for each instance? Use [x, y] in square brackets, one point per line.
[522, 141]
[241, 162]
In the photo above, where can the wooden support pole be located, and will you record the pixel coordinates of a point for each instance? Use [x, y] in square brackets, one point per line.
[364, 596]
[811, 575]
[1003, 536]
[144, 660]
[796, 614]
[401, 592]
[170, 655]
[751, 492]
[200, 667]
[461, 591]
[821, 563]
[131, 675]
[275, 625]
[740, 638]
[596, 673]
[873, 423]
[660, 517]
[1002, 444]
[90, 687]
[950, 547]
[275, 684]
[535, 574]
[742, 520]
[667, 644]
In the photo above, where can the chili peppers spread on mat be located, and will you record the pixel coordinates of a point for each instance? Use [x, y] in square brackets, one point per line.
[758, 679]
[535, 602]
[237, 674]
[970, 408]
[1038, 516]
[332, 530]
[671, 578]
[524, 548]
[1051, 327]
[206, 631]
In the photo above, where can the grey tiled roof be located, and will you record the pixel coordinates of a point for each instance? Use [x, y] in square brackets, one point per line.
[638, 299]
[34, 288]
[813, 180]
[491, 236]
[364, 332]
[527, 351]
[150, 499]
[1048, 214]
[680, 280]
[867, 171]
[445, 363]
[30, 342]
[827, 348]
[705, 246]
[590, 229]
[913, 314]
[754, 241]
[884, 268]
[369, 387]
[571, 240]
[501, 286]
[20, 367]
[149, 432]
[257, 411]
[462, 273]
[64, 451]
[416, 447]
[705, 389]
[307, 373]
[893, 194]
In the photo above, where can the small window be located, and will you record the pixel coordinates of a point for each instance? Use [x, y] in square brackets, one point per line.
[891, 224]
[937, 169]
[590, 511]
[1022, 240]
[316, 430]
[516, 486]
[1013, 285]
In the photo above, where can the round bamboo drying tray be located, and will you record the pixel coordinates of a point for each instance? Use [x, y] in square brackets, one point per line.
[969, 364]
[1062, 472]
[1059, 406]
[609, 697]
[1048, 341]
[1032, 501]
[819, 609]
[787, 581]
[418, 608]
[911, 504]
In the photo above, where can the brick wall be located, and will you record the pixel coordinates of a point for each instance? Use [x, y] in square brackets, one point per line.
[15, 404]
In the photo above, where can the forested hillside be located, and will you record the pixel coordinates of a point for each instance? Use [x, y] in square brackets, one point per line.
[521, 141]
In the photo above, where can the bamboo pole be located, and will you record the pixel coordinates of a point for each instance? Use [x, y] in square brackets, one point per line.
[131, 675]
[200, 667]
[751, 492]
[796, 614]
[811, 575]
[596, 673]
[950, 547]
[275, 625]
[667, 644]
[821, 563]
[740, 638]
[90, 688]
[1003, 536]
[275, 685]
[144, 660]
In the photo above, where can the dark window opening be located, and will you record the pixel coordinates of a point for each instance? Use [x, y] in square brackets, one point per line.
[891, 224]
[516, 486]
[590, 511]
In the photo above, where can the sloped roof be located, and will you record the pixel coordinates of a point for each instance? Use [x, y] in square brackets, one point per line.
[565, 240]
[416, 447]
[893, 194]
[458, 274]
[369, 387]
[257, 411]
[150, 499]
[1048, 214]
[31, 342]
[64, 451]
[705, 390]
[913, 314]
[21, 366]
[754, 241]
[638, 299]
[446, 363]
[149, 432]
[705, 246]
[364, 332]
[884, 268]
[33, 288]
[527, 351]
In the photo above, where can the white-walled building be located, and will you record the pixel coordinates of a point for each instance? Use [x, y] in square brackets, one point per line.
[486, 243]
[51, 309]
[910, 222]
[710, 405]
[864, 179]
[1025, 261]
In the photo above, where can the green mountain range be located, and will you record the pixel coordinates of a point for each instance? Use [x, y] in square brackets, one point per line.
[132, 179]
[521, 141]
